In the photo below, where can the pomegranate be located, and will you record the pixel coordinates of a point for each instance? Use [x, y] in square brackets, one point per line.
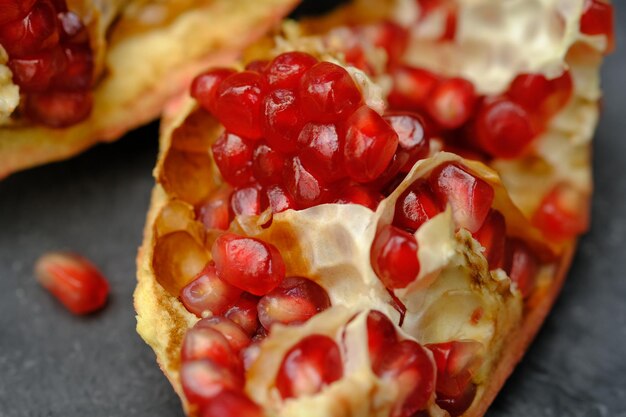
[234, 334]
[452, 103]
[492, 236]
[215, 211]
[206, 343]
[394, 257]
[207, 293]
[597, 19]
[381, 334]
[238, 104]
[563, 213]
[203, 380]
[521, 265]
[415, 206]
[244, 313]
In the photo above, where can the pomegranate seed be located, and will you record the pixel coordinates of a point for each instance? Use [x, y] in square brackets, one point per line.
[258, 65]
[282, 120]
[267, 165]
[238, 104]
[248, 201]
[321, 151]
[394, 257]
[248, 263]
[470, 197]
[79, 71]
[452, 103]
[207, 293]
[563, 213]
[328, 93]
[521, 265]
[294, 301]
[389, 36]
[214, 212]
[244, 313]
[416, 205]
[11, 10]
[34, 73]
[286, 70]
[456, 406]
[541, 96]
[204, 87]
[412, 139]
[232, 332]
[381, 334]
[35, 32]
[412, 88]
[358, 194]
[279, 199]
[206, 343]
[306, 189]
[308, 366]
[409, 366]
[59, 109]
[370, 145]
[503, 128]
[597, 19]
[231, 404]
[203, 380]
[233, 157]
[72, 28]
[492, 236]
[73, 280]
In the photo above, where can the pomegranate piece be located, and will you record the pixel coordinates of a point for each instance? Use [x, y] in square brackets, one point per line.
[78, 73]
[412, 139]
[541, 96]
[563, 213]
[408, 365]
[470, 197]
[204, 87]
[358, 194]
[503, 128]
[308, 366]
[286, 70]
[73, 280]
[279, 199]
[203, 380]
[321, 151]
[412, 88]
[248, 201]
[34, 73]
[238, 104]
[521, 265]
[244, 313]
[231, 404]
[597, 19]
[248, 263]
[452, 103]
[306, 189]
[394, 257]
[282, 120]
[369, 145]
[258, 65]
[381, 335]
[328, 93]
[208, 294]
[233, 157]
[267, 165]
[416, 205]
[11, 10]
[232, 332]
[206, 343]
[214, 212]
[492, 236]
[294, 301]
[37, 31]
[59, 109]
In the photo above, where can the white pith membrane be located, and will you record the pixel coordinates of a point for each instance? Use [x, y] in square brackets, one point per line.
[330, 243]
[9, 92]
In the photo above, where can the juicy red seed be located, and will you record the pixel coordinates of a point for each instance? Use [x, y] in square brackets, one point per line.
[416, 205]
[233, 157]
[207, 293]
[394, 257]
[308, 366]
[232, 332]
[282, 120]
[457, 362]
[72, 28]
[248, 263]
[206, 343]
[358, 194]
[267, 165]
[35, 32]
[286, 69]
[78, 73]
[203, 380]
[34, 73]
[521, 265]
[279, 199]
[408, 365]
[456, 406]
[328, 93]
[295, 301]
[11, 10]
[452, 103]
[412, 139]
[389, 36]
[231, 404]
[306, 189]
[381, 335]
[597, 19]
[470, 197]
[492, 236]
[248, 201]
[321, 151]
[258, 65]
[214, 212]
[369, 145]
[541, 96]
[239, 104]
[204, 87]
[73, 280]
[562, 214]
[412, 88]
[244, 313]
[59, 109]
[503, 129]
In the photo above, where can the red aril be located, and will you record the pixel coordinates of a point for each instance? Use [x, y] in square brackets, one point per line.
[308, 366]
[328, 93]
[232, 332]
[294, 301]
[521, 265]
[286, 70]
[492, 236]
[208, 294]
[34, 73]
[452, 103]
[37, 31]
[214, 212]
[457, 405]
[563, 213]
[258, 65]
[279, 199]
[415, 206]
[282, 120]
[233, 157]
[78, 73]
[469, 197]
[366, 196]
[597, 19]
[204, 87]
[59, 109]
[388, 36]
[381, 335]
[73, 280]
[11, 10]
[306, 189]
[248, 263]
[72, 28]
[238, 104]
[206, 343]
[412, 88]
[248, 201]
[370, 144]
[394, 257]
[231, 404]
[412, 139]
[321, 151]
[267, 165]
[203, 380]
[541, 96]
[408, 365]
[244, 313]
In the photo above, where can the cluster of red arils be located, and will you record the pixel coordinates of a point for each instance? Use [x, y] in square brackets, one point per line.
[50, 58]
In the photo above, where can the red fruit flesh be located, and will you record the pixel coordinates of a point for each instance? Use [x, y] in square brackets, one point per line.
[521, 265]
[205, 343]
[78, 73]
[540, 96]
[328, 93]
[247, 263]
[412, 139]
[308, 366]
[286, 70]
[457, 362]
[258, 65]
[233, 157]
[294, 301]
[456, 406]
[412, 88]
[358, 194]
[563, 213]
[11, 10]
[415, 206]
[306, 189]
[492, 236]
[381, 335]
[204, 87]
[267, 165]
[214, 212]
[321, 151]
[248, 201]
[388, 36]
[239, 104]
[279, 199]
[597, 19]
[394, 257]
[369, 145]
[34, 73]
[208, 294]
[282, 120]
[452, 103]
[37, 31]
[469, 197]
[203, 380]
[73, 280]
[231, 404]
[408, 365]
[244, 313]
[232, 332]
[59, 109]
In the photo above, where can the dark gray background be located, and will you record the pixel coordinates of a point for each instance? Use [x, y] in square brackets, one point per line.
[55, 364]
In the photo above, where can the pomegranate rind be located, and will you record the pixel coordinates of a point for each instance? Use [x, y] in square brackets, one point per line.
[142, 70]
